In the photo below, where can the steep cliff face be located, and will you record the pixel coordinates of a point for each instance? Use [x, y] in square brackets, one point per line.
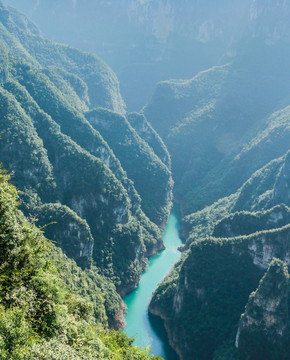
[201, 308]
[20, 138]
[255, 195]
[266, 187]
[281, 191]
[203, 298]
[264, 329]
[68, 231]
[270, 19]
[148, 17]
[266, 245]
[245, 223]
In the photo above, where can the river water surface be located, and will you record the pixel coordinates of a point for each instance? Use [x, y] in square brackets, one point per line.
[148, 330]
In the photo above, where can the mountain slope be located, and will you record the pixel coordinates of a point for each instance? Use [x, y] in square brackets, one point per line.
[66, 172]
[230, 246]
[135, 154]
[146, 132]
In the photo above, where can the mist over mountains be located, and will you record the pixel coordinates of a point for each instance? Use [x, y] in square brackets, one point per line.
[128, 106]
[148, 41]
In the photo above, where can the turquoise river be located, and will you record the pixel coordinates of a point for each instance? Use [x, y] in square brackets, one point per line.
[148, 330]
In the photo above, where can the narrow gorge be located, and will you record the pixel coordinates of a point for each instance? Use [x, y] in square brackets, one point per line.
[146, 330]
[180, 131]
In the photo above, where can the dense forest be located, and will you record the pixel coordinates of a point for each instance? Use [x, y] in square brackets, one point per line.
[50, 308]
[201, 117]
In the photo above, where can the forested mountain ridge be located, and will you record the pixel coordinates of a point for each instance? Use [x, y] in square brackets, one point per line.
[234, 242]
[133, 153]
[67, 173]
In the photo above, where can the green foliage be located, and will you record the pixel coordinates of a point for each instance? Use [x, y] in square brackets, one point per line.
[73, 87]
[201, 301]
[67, 230]
[227, 351]
[211, 300]
[151, 234]
[246, 223]
[50, 308]
[164, 294]
[154, 182]
[255, 195]
[73, 183]
[89, 286]
[18, 137]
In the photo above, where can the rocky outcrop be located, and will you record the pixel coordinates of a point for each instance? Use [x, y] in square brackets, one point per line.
[264, 329]
[245, 223]
[67, 230]
[173, 340]
[265, 246]
[118, 322]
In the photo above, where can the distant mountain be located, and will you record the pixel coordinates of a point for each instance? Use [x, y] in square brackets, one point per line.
[149, 41]
[206, 122]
